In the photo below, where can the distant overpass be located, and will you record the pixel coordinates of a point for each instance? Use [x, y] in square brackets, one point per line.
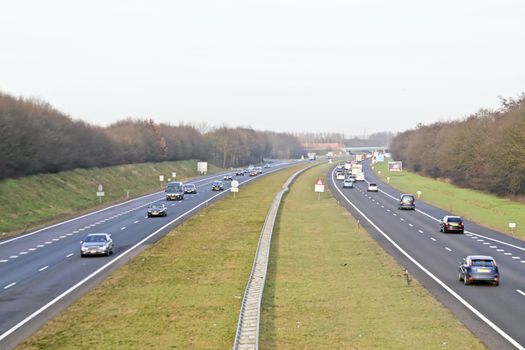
[366, 149]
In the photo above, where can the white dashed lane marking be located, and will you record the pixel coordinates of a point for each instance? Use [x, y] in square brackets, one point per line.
[43, 268]
[13, 257]
[136, 221]
[410, 225]
[500, 250]
[516, 257]
[520, 291]
[123, 228]
[40, 245]
[447, 248]
[507, 253]
[22, 253]
[32, 249]
[70, 255]
[420, 231]
[493, 246]
[432, 238]
[3, 261]
[401, 219]
[10, 285]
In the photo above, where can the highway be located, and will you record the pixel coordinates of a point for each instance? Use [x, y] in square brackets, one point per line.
[42, 272]
[495, 314]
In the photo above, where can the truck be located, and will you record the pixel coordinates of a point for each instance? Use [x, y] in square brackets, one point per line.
[312, 155]
[357, 168]
[360, 176]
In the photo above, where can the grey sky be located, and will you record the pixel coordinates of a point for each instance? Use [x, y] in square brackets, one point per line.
[283, 65]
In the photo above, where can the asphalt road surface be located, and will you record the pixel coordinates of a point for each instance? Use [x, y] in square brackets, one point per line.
[42, 272]
[495, 314]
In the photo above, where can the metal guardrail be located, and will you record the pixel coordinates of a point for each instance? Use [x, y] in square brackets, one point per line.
[247, 334]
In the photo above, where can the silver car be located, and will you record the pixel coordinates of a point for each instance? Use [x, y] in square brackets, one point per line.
[96, 244]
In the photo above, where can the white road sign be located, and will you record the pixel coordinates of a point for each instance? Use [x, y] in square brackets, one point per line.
[319, 186]
[235, 184]
[100, 194]
[161, 177]
[100, 188]
[234, 189]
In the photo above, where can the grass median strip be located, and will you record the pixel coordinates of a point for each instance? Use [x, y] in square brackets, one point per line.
[183, 293]
[484, 208]
[330, 286]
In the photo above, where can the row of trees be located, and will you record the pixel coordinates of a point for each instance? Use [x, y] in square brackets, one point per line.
[36, 138]
[485, 151]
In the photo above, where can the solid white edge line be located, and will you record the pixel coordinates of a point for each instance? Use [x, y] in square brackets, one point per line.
[114, 260]
[431, 275]
[521, 292]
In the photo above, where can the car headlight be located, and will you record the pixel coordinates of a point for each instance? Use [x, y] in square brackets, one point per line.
[84, 248]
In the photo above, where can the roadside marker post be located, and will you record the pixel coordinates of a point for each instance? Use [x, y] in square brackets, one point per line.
[388, 179]
[512, 226]
[418, 194]
[161, 179]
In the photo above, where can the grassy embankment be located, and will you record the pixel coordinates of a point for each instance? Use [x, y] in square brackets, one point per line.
[330, 286]
[183, 293]
[33, 200]
[483, 208]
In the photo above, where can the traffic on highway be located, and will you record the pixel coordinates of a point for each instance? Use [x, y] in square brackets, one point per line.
[466, 266]
[42, 272]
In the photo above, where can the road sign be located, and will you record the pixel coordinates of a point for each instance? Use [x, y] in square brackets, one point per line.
[100, 194]
[418, 194]
[234, 189]
[235, 184]
[319, 186]
[173, 175]
[161, 178]
[100, 188]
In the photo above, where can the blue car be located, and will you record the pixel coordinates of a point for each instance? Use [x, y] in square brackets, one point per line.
[480, 268]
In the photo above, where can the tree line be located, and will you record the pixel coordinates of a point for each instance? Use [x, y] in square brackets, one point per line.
[37, 138]
[484, 151]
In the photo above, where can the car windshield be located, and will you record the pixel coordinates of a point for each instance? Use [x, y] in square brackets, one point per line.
[173, 188]
[190, 186]
[94, 239]
[454, 219]
[157, 207]
[483, 263]
[216, 183]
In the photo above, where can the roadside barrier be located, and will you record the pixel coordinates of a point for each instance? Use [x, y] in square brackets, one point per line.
[247, 334]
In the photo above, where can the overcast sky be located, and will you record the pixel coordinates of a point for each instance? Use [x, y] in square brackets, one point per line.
[286, 65]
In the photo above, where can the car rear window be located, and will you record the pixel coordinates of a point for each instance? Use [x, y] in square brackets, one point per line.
[372, 184]
[407, 199]
[485, 263]
[454, 220]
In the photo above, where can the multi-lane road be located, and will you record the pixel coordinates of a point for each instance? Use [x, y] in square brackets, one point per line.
[42, 272]
[495, 314]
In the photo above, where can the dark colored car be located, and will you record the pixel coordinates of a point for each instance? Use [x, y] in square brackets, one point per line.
[96, 244]
[407, 201]
[227, 177]
[190, 188]
[217, 186]
[480, 268]
[157, 210]
[174, 191]
[452, 224]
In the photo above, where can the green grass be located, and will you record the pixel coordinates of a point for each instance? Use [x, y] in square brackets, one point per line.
[183, 293]
[29, 201]
[330, 286]
[483, 208]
